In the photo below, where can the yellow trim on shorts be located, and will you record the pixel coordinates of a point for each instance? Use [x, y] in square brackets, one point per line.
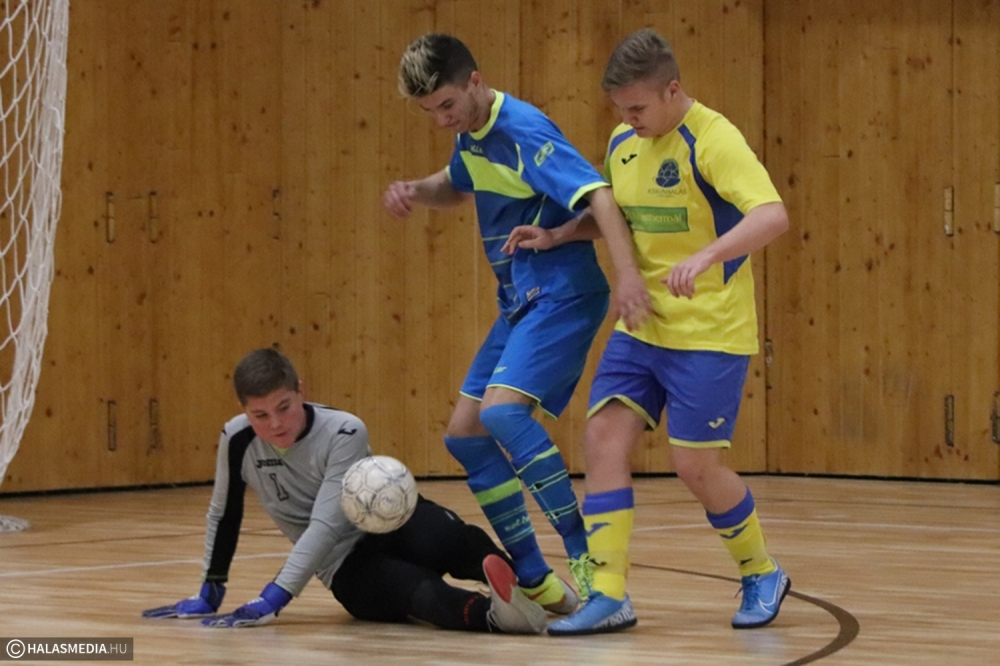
[713, 444]
[537, 401]
[631, 404]
[470, 397]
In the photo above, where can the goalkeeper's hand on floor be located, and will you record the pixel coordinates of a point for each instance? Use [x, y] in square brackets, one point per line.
[203, 604]
[260, 611]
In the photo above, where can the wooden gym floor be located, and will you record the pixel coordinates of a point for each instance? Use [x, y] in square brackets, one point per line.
[883, 572]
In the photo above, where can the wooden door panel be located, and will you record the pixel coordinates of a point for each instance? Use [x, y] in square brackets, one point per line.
[859, 310]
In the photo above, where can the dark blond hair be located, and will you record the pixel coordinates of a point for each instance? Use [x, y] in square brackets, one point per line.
[261, 372]
[642, 56]
[432, 61]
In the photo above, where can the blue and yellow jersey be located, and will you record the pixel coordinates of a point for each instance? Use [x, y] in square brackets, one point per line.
[522, 170]
[680, 192]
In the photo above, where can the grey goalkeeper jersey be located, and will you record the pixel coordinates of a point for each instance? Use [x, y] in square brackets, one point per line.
[298, 487]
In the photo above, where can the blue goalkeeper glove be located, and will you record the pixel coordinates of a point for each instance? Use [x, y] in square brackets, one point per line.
[260, 611]
[203, 604]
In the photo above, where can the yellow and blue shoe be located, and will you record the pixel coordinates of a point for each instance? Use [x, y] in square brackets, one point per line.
[554, 595]
[600, 615]
[762, 597]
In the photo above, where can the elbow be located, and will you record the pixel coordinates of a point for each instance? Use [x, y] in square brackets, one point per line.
[779, 221]
[781, 226]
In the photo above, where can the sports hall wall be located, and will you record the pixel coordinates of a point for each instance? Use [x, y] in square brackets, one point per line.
[223, 169]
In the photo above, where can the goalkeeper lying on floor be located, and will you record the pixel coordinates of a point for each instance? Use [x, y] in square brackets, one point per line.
[294, 455]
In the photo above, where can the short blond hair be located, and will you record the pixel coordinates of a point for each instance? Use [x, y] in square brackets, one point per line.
[641, 56]
[432, 61]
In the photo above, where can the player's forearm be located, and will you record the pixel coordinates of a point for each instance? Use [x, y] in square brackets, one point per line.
[583, 227]
[613, 227]
[436, 191]
[758, 228]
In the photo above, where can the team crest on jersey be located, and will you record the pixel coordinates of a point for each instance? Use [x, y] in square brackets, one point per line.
[544, 152]
[669, 173]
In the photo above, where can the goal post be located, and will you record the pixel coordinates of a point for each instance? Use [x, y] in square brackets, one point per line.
[33, 45]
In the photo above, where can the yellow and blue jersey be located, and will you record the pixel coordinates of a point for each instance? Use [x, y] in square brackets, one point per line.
[679, 192]
[522, 170]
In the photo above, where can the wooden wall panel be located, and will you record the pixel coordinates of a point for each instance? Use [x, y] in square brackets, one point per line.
[219, 256]
[975, 288]
[419, 440]
[862, 300]
[268, 131]
[67, 428]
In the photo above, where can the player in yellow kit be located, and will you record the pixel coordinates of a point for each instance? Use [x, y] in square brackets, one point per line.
[698, 203]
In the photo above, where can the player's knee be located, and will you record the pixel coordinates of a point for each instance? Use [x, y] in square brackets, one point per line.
[505, 421]
[695, 467]
[608, 439]
[465, 422]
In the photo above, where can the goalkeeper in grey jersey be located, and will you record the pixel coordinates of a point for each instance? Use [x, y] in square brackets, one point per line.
[294, 454]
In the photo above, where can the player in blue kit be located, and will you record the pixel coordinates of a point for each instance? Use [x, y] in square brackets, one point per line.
[520, 169]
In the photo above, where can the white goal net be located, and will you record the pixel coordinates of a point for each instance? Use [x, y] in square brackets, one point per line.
[33, 36]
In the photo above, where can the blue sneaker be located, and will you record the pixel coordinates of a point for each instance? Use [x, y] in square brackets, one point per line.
[600, 615]
[762, 597]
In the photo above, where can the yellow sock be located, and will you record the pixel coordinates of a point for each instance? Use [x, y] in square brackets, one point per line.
[608, 519]
[745, 542]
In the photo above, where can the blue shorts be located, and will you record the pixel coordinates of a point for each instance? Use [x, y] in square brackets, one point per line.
[543, 354]
[700, 389]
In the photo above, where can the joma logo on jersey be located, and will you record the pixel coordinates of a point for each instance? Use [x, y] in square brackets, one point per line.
[476, 149]
[544, 152]
[273, 462]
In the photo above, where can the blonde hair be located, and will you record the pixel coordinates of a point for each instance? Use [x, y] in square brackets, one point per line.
[432, 61]
[641, 56]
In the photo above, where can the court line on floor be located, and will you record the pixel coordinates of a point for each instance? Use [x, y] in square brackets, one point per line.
[848, 625]
[131, 565]
[654, 528]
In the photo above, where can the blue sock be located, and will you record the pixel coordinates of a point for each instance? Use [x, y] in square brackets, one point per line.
[498, 491]
[542, 469]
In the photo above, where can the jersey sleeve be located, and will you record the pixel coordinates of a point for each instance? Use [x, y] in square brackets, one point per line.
[553, 167]
[225, 511]
[458, 173]
[732, 168]
[324, 543]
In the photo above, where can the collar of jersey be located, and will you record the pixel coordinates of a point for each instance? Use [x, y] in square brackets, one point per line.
[684, 119]
[494, 112]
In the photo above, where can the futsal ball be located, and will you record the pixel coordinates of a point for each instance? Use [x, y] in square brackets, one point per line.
[379, 494]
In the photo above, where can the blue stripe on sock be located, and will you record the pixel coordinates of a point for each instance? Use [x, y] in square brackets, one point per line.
[734, 516]
[612, 500]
